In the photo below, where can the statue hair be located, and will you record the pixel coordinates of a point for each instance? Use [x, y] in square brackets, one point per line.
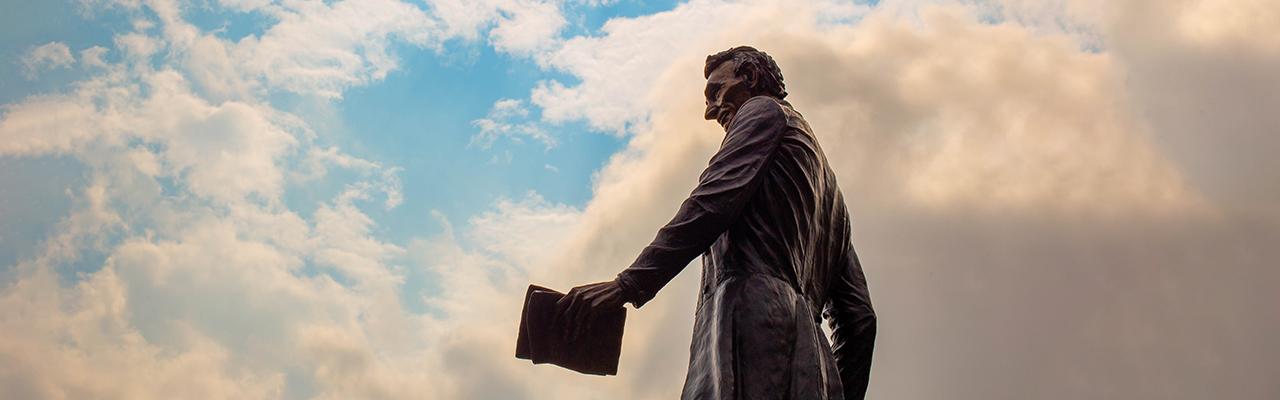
[769, 76]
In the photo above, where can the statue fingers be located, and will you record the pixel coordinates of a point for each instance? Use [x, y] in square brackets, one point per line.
[568, 313]
[584, 318]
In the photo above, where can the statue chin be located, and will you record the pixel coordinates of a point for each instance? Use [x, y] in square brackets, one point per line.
[724, 117]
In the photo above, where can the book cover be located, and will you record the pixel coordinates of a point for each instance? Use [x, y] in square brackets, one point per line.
[541, 338]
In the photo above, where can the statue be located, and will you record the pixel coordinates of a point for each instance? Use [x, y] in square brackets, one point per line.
[771, 225]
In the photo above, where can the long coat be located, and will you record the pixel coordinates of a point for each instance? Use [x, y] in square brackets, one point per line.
[772, 227]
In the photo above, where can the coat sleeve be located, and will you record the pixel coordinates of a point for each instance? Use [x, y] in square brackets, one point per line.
[729, 182]
[853, 325]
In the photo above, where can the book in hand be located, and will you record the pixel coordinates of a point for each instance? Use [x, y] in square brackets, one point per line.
[542, 336]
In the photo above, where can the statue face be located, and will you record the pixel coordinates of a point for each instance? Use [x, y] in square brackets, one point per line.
[726, 91]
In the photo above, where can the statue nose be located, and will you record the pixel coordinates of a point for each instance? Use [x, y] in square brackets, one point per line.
[710, 113]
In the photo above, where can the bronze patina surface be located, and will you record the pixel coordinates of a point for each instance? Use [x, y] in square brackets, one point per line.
[771, 224]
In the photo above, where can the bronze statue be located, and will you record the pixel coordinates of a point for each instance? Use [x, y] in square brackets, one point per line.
[771, 225]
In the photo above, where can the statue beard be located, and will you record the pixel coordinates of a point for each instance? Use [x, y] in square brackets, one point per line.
[724, 115]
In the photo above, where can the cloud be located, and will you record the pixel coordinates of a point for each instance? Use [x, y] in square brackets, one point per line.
[617, 68]
[481, 273]
[184, 272]
[92, 57]
[499, 123]
[1018, 217]
[1030, 224]
[48, 56]
[98, 354]
[322, 49]
[224, 151]
[1199, 70]
[137, 46]
[526, 26]
[519, 27]
[989, 117]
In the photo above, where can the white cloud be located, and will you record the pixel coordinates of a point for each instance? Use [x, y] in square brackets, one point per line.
[507, 108]
[48, 56]
[225, 151]
[59, 119]
[246, 5]
[137, 46]
[618, 67]
[322, 49]
[92, 57]
[1012, 198]
[482, 272]
[78, 342]
[208, 284]
[519, 27]
[526, 26]
[502, 121]
[319, 48]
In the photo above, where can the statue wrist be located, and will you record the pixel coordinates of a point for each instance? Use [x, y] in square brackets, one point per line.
[630, 294]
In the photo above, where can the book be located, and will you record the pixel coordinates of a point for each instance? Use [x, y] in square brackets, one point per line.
[542, 339]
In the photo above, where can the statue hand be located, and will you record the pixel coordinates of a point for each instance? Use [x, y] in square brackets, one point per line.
[583, 303]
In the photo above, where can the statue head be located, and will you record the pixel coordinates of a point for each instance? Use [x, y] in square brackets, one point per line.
[735, 76]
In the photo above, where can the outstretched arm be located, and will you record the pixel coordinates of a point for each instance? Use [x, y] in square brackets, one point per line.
[730, 180]
[724, 188]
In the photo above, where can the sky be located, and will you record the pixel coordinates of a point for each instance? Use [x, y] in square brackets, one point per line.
[346, 199]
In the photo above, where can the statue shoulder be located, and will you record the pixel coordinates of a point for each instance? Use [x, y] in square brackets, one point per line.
[762, 104]
[762, 107]
[768, 107]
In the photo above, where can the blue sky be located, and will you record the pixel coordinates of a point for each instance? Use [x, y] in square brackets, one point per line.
[30, 213]
[418, 118]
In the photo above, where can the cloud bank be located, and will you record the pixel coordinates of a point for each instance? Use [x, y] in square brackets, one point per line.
[1051, 202]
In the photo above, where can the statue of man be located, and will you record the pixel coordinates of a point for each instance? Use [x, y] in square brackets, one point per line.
[771, 225]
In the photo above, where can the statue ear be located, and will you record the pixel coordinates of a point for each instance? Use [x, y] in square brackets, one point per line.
[749, 75]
